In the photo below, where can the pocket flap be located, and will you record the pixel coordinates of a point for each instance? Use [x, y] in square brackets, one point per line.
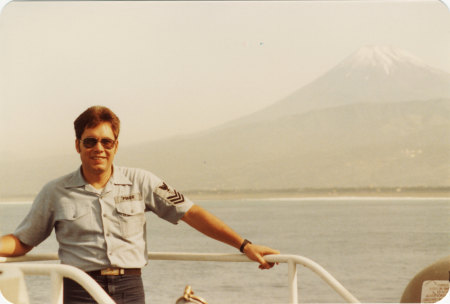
[71, 212]
[130, 208]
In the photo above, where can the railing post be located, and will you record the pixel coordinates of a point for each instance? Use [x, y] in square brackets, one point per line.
[292, 277]
[57, 287]
[98, 293]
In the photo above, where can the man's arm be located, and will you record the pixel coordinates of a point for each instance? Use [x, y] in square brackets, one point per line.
[11, 246]
[213, 227]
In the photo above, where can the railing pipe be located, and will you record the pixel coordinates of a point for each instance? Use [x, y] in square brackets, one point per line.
[320, 271]
[57, 287]
[291, 260]
[31, 257]
[292, 281]
[276, 258]
[66, 271]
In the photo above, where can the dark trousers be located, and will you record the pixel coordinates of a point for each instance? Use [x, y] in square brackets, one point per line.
[123, 289]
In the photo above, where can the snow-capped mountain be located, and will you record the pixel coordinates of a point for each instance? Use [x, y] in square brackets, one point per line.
[385, 57]
[373, 74]
[380, 118]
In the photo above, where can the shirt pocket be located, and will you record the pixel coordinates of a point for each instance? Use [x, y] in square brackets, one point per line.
[131, 217]
[73, 220]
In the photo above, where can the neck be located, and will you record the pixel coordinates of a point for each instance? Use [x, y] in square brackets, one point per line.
[97, 179]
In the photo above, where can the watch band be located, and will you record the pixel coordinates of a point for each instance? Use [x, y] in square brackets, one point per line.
[244, 243]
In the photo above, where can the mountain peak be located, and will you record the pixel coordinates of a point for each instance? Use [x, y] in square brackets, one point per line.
[384, 57]
[373, 74]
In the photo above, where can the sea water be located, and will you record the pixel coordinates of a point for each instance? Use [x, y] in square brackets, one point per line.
[373, 246]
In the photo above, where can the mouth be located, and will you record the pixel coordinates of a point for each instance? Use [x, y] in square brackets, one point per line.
[98, 158]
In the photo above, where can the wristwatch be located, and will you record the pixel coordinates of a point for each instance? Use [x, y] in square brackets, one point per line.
[244, 243]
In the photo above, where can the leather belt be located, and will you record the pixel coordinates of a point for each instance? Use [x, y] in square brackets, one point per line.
[115, 272]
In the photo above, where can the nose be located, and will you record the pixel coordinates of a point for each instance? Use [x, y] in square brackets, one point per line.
[98, 147]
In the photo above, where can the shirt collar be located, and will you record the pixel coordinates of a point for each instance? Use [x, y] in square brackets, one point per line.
[76, 180]
[118, 178]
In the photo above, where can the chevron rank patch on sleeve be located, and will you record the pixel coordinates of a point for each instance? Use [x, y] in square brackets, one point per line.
[169, 194]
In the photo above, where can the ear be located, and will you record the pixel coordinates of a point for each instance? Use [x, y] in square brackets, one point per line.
[77, 145]
[117, 146]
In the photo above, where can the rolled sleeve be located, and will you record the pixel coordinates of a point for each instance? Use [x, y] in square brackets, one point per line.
[38, 223]
[169, 212]
[165, 201]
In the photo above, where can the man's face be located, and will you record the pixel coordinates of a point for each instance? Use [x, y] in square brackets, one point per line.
[98, 159]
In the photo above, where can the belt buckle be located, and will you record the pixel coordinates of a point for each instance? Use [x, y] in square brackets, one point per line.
[112, 271]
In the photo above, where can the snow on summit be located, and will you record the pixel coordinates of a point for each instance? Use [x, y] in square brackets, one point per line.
[385, 57]
[372, 74]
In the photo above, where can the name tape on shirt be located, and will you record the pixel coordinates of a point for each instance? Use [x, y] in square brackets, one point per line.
[126, 198]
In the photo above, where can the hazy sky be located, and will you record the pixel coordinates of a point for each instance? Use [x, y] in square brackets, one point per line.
[177, 67]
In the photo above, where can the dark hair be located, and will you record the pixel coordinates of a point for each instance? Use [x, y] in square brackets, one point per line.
[94, 116]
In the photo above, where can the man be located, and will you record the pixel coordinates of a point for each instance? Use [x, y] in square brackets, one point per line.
[98, 215]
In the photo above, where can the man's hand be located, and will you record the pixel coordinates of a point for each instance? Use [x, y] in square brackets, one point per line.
[257, 252]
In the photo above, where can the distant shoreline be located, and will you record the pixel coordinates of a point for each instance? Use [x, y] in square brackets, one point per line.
[207, 195]
[286, 194]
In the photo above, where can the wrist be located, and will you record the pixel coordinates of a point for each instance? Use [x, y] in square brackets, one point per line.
[244, 243]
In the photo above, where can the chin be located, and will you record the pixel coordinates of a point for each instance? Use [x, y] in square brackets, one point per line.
[99, 169]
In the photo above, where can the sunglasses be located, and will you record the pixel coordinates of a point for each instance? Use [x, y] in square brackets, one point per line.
[91, 142]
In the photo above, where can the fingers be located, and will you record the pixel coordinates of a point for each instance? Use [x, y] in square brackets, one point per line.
[263, 264]
[256, 253]
[266, 266]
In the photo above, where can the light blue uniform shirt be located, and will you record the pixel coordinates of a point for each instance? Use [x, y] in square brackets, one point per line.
[99, 229]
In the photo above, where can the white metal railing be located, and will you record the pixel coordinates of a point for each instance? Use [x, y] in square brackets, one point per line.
[291, 260]
[57, 273]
